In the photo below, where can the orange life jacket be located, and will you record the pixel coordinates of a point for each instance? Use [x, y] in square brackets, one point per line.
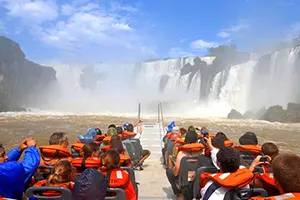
[100, 137]
[107, 140]
[50, 152]
[127, 134]
[95, 141]
[124, 159]
[238, 179]
[77, 146]
[90, 162]
[248, 148]
[287, 196]
[120, 178]
[210, 135]
[179, 141]
[42, 183]
[194, 147]
[105, 148]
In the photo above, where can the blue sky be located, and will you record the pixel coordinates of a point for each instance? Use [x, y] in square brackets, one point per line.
[132, 30]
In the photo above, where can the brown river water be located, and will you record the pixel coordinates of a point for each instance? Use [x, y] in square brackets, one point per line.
[16, 126]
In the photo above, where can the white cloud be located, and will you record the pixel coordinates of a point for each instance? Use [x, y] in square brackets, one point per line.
[227, 32]
[177, 52]
[67, 9]
[33, 11]
[122, 26]
[201, 44]
[127, 8]
[293, 31]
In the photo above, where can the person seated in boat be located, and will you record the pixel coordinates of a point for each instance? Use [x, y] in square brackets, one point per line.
[266, 179]
[99, 136]
[191, 148]
[214, 145]
[145, 153]
[56, 150]
[111, 126]
[231, 177]
[89, 158]
[116, 143]
[109, 133]
[248, 146]
[286, 173]
[170, 143]
[61, 177]
[118, 177]
[13, 174]
[91, 184]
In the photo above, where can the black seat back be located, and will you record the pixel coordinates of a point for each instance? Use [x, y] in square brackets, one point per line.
[132, 178]
[137, 147]
[115, 194]
[36, 192]
[208, 169]
[131, 150]
[42, 173]
[248, 156]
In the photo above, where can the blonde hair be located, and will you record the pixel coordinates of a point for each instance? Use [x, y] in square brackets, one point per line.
[62, 173]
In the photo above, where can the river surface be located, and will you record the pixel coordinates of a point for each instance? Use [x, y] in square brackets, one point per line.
[16, 126]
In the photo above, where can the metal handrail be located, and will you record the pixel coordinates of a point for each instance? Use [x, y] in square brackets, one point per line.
[160, 121]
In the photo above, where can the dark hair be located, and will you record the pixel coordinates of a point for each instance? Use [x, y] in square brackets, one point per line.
[98, 130]
[2, 149]
[183, 131]
[112, 126]
[110, 160]
[116, 143]
[57, 138]
[89, 149]
[62, 173]
[229, 159]
[286, 171]
[270, 149]
[219, 140]
[130, 128]
[119, 130]
[249, 138]
[191, 137]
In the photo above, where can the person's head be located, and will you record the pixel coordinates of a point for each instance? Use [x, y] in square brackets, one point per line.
[111, 126]
[62, 173]
[286, 172]
[59, 138]
[98, 130]
[204, 131]
[175, 130]
[89, 150]
[191, 128]
[110, 160]
[91, 184]
[3, 156]
[228, 159]
[111, 132]
[219, 140]
[270, 149]
[119, 130]
[191, 137]
[116, 143]
[130, 128]
[182, 131]
[249, 138]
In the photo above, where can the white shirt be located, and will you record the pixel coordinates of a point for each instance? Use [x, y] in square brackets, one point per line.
[213, 155]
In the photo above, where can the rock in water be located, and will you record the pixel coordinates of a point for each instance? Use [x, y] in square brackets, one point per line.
[275, 114]
[22, 82]
[234, 114]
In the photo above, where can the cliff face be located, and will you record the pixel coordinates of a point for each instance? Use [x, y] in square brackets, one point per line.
[21, 81]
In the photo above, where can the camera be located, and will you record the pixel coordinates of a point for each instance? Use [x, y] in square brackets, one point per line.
[263, 159]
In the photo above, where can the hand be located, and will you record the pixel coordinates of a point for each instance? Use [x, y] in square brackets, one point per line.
[31, 142]
[208, 141]
[23, 145]
[256, 162]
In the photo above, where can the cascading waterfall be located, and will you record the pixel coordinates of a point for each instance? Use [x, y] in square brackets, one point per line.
[271, 79]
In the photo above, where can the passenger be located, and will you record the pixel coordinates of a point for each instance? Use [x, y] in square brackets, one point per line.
[286, 173]
[91, 184]
[100, 136]
[119, 130]
[61, 177]
[116, 143]
[112, 126]
[172, 173]
[266, 179]
[89, 136]
[13, 174]
[215, 186]
[89, 158]
[174, 135]
[249, 138]
[106, 141]
[56, 150]
[191, 128]
[144, 152]
[118, 177]
[215, 145]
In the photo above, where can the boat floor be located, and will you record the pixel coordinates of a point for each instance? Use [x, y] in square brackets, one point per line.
[153, 183]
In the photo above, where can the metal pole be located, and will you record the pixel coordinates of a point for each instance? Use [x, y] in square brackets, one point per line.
[139, 117]
[162, 118]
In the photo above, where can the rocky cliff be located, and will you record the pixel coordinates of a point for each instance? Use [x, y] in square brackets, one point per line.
[21, 81]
